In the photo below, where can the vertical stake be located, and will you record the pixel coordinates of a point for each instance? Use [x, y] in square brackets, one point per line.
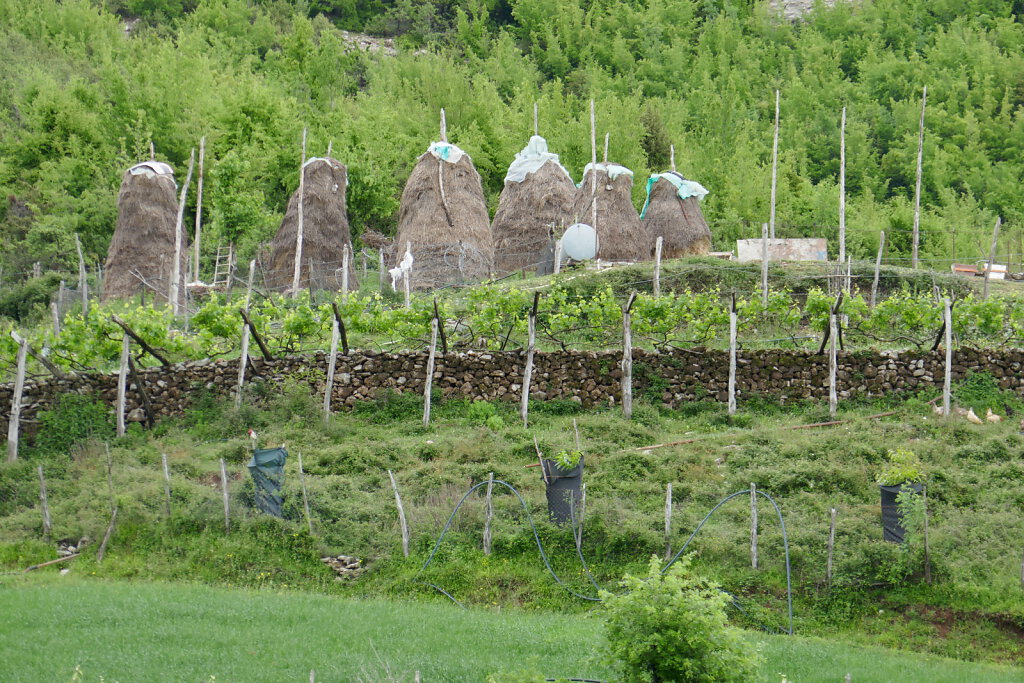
[524, 401]
[428, 381]
[606, 138]
[775, 167]
[583, 514]
[668, 522]
[753, 525]
[927, 548]
[297, 272]
[991, 255]
[167, 484]
[344, 274]
[947, 379]
[332, 360]
[917, 184]
[55, 314]
[842, 187]
[593, 168]
[488, 514]
[831, 545]
[627, 358]
[14, 423]
[178, 229]
[833, 400]
[122, 384]
[401, 515]
[305, 496]
[83, 283]
[106, 537]
[444, 127]
[764, 264]
[407, 276]
[878, 266]
[44, 505]
[199, 210]
[536, 127]
[732, 357]
[243, 359]
[672, 158]
[656, 286]
[558, 256]
[224, 489]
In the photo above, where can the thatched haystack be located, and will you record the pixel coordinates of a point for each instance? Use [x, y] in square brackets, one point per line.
[620, 234]
[536, 200]
[673, 213]
[443, 215]
[325, 232]
[143, 242]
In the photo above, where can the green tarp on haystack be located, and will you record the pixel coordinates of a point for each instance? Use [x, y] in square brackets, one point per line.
[267, 470]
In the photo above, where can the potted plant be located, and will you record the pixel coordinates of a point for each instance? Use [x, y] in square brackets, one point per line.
[563, 477]
[902, 472]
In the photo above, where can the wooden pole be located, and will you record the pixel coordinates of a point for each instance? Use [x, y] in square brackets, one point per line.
[606, 138]
[199, 210]
[764, 264]
[167, 484]
[256, 335]
[593, 167]
[927, 548]
[753, 525]
[833, 336]
[332, 360]
[992, 255]
[668, 522]
[407, 277]
[55, 314]
[122, 384]
[44, 504]
[106, 537]
[243, 360]
[524, 402]
[656, 286]
[139, 340]
[178, 228]
[732, 357]
[224, 490]
[831, 546]
[401, 515]
[489, 505]
[344, 273]
[536, 127]
[110, 475]
[83, 283]
[775, 167]
[382, 275]
[672, 158]
[14, 423]
[558, 256]
[842, 187]
[917, 184]
[878, 267]
[428, 381]
[297, 271]
[947, 379]
[305, 496]
[627, 358]
[444, 126]
[582, 516]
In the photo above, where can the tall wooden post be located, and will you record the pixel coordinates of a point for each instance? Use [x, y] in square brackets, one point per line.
[489, 507]
[668, 521]
[764, 264]
[831, 546]
[524, 401]
[428, 381]
[243, 359]
[178, 227]
[407, 276]
[167, 484]
[656, 285]
[878, 267]
[344, 273]
[224, 490]
[832, 394]
[305, 496]
[297, 272]
[401, 515]
[382, 274]
[332, 360]
[775, 167]
[753, 525]
[199, 211]
[991, 255]
[627, 358]
[593, 169]
[122, 384]
[558, 256]
[55, 314]
[44, 504]
[83, 282]
[732, 357]
[842, 187]
[917, 184]
[947, 379]
[536, 127]
[14, 423]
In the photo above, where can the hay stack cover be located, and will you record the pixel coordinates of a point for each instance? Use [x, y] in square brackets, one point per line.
[325, 231]
[143, 242]
[535, 202]
[451, 239]
[620, 234]
[672, 212]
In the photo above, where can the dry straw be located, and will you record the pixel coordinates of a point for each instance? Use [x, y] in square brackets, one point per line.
[529, 212]
[621, 235]
[679, 222]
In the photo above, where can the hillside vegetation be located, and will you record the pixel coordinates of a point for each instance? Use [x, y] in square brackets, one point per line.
[82, 97]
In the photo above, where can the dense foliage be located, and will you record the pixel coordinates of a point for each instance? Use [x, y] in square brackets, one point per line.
[84, 90]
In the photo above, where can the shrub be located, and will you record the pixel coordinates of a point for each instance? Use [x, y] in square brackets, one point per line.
[75, 418]
[672, 627]
[904, 467]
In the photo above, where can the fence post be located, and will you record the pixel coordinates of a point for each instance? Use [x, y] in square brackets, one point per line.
[627, 358]
[668, 521]
[842, 187]
[332, 360]
[831, 545]
[917, 185]
[106, 537]
[305, 496]
[488, 514]
[991, 255]
[753, 525]
[947, 379]
[14, 423]
[297, 271]
[122, 384]
[244, 358]
[878, 266]
[224, 489]
[428, 382]
[833, 399]
[344, 273]
[775, 163]
[83, 283]
[558, 257]
[764, 264]
[583, 514]
[401, 515]
[406, 277]
[656, 285]
[44, 504]
[175, 293]
[927, 547]
[167, 484]
[199, 210]
[524, 403]
[732, 357]
[55, 314]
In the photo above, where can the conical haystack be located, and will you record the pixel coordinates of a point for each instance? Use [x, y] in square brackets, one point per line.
[325, 232]
[141, 254]
[673, 213]
[443, 216]
[536, 201]
[620, 234]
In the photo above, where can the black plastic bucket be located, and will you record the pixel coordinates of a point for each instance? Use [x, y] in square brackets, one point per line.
[892, 523]
[563, 490]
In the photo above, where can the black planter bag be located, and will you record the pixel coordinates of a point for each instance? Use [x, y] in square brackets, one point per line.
[892, 523]
[563, 490]
[267, 470]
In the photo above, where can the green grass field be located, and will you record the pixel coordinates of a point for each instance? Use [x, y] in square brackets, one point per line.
[118, 631]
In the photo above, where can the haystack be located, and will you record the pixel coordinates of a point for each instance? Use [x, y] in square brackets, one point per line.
[141, 254]
[620, 234]
[672, 212]
[535, 202]
[325, 232]
[443, 215]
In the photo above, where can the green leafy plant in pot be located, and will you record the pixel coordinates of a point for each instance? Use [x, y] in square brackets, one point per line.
[902, 472]
[563, 477]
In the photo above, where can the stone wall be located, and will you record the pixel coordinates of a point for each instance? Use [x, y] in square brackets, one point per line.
[590, 378]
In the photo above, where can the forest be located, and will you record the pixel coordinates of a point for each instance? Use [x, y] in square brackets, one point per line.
[86, 87]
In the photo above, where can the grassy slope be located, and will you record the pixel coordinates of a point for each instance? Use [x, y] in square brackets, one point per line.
[159, 632]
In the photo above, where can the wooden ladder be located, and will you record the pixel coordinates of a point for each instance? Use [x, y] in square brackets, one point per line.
[225, 266]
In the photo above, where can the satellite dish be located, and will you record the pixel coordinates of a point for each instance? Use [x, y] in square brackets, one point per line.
[580, 242]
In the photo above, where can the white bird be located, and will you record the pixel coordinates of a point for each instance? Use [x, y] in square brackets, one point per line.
[992, 417]
[402, 270]
[396, 275]
[971, 417]
[938, 410]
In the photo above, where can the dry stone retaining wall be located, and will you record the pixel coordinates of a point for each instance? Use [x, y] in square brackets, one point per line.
[588, 377]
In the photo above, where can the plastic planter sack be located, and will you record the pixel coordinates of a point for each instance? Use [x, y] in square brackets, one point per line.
[267, 470]
[563, 490]
[892, 522]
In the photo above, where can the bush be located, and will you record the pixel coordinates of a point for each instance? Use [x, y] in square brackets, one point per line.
[672, 627]
[75, 418]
